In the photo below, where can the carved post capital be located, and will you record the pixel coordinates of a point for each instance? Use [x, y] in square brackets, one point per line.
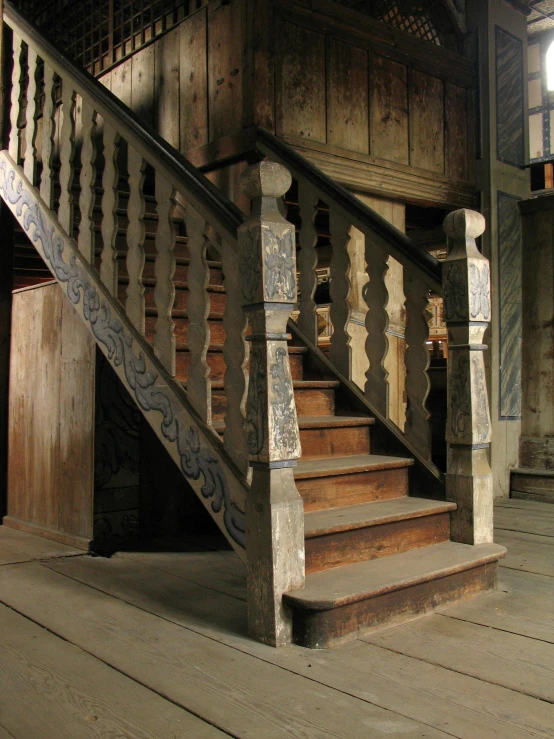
[464, 224]
[466, 274]
[265, 180]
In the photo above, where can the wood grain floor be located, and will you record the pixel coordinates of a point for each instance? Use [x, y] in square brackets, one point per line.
[155, 645]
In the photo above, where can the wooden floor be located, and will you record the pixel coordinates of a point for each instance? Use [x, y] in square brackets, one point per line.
[155, 645]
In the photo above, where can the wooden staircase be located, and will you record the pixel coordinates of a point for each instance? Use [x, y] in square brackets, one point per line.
[359, 529]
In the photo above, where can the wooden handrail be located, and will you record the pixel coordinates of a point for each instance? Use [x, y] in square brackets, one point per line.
[205, 197]
[384, 234]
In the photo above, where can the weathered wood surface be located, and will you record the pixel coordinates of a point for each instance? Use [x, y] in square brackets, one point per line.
[48, 134]
[389, 110]
[86, 240]
[164, 269]
[67, 154]
[135, 302]
[170, 666]
[91, 699]
[198, 308]
[29, 166]
[17, 72]
[525, 521]
[110, 202]
[527, 552]
[50, 473]
[347, 98]
[340, 352]
[307, 261]
[102, 605]
[18, 546]
[513, 661]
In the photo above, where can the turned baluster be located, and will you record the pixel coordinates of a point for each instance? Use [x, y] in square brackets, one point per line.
[274, 509]
[467, 312]
[199, 385]
[417, 429]
[17, 73]
[86, 240]
[134, 305]
[376, 297]
[48, 114]
[340, 352]
[110, 203]
[307, 262]
[30, 154]
[164, 270]
[235, 353]
[67, 154]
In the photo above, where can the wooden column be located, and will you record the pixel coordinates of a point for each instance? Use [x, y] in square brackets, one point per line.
[274, 509]
[467, 311]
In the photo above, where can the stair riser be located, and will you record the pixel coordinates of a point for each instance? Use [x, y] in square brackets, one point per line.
[320, 408]
[360, 487]
[216, 364]
[359, 545]
[322, 629]
[315, 402]
[329, 442]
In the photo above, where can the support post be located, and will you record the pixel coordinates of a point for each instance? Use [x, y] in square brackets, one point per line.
[467, 311]
[274, 509]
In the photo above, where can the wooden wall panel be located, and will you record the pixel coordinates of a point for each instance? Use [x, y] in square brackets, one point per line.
[142, 81]
[194, 83]
[347, 96]
[166, 86]
[301, 82]
[389, 110]
[456, 131]
[426, 122]
[226, 67]
[51, 418]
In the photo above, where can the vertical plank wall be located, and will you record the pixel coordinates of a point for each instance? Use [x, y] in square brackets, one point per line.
[195, 85]
[51, 418]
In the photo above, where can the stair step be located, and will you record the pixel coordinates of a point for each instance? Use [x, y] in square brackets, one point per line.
[357, 533]
[376, 513]
[347, 601]
[350, 480]
[327, 436]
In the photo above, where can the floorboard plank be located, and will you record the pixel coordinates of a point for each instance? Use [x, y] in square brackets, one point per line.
[53, 690]
[526, 552]
[526, 521]
[248, 696]
[512, 661]
[4, 734]
[546, 509]
[523, 605]
[376, 675]
[221, 571]
[18, 546]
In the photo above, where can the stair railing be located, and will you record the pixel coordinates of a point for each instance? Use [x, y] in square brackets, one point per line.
[468, 480]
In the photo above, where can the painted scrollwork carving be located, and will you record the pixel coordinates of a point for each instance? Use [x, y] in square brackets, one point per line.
[480, 291]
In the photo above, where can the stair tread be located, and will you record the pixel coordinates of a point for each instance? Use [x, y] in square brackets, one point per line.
[348, 465]
[308, 422]
[374, 513]
[355, 582]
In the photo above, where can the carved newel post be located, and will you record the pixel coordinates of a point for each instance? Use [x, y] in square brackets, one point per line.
[467, 311]
[274, 511]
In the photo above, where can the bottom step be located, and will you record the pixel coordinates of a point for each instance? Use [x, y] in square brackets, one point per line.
[347, 601]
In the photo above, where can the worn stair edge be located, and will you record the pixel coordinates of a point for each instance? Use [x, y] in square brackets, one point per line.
[334, 466]
[316, 422]
[374, 513]
[340, 586]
